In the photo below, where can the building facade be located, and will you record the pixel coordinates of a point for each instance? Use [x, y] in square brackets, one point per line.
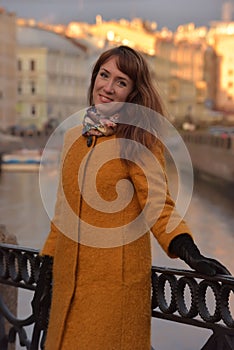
[52, 77]
[221, 37]
[7, 69]
[193, 68]
[180, 63]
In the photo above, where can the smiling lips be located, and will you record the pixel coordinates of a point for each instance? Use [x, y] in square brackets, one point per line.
[105, 99]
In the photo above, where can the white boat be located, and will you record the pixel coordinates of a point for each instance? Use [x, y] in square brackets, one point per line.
[22, 160]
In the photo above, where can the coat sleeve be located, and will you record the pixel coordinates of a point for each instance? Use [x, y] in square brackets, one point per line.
[150, 183]
[50, 243]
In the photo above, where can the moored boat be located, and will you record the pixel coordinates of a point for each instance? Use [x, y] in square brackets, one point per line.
[22, 160]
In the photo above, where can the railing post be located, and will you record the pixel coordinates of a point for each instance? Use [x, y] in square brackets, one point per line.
[3, 337]
[41, 303]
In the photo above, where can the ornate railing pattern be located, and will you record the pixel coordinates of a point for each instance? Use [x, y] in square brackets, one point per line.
[182, 296]
[177, 295]
[25, 268]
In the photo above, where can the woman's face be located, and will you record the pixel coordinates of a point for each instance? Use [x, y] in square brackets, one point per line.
[111, 85]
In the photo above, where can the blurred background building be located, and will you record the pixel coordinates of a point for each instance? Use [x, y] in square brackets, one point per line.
[51, 77]
[7, 68]
[45, 69]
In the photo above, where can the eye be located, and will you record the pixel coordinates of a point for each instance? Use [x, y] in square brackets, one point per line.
[103, 74]
[122, 83]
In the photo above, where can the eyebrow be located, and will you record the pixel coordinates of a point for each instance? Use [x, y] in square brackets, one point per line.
[119, 77]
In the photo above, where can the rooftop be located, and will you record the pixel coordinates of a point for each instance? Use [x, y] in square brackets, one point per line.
[35, 37]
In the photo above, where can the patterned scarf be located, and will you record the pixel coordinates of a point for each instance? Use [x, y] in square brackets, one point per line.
[98, 125]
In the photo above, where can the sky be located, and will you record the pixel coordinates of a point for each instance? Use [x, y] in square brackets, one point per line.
[166, 13]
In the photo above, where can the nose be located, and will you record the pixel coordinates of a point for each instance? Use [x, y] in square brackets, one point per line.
[109, 87]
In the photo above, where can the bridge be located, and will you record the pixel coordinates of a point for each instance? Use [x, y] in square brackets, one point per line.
[211, 155]
[25, 268]
[13, 142]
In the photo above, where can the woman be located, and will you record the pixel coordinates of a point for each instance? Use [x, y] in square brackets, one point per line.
[102, 283]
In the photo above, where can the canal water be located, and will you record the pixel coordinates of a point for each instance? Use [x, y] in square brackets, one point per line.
[210, 216]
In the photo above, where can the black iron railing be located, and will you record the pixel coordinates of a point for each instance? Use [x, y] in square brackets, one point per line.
[177, 295]
[198, 300]
[25, 268]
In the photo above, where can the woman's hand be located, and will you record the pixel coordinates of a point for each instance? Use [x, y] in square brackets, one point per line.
[184, 247]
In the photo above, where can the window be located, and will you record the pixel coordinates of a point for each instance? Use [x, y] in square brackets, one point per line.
[33, 111]
[33, 88]
[19, 88]
[201, 91]
[174, 90]
[32, 65]
[19, 65]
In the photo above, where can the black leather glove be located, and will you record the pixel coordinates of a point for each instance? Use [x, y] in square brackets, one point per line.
[184, 247]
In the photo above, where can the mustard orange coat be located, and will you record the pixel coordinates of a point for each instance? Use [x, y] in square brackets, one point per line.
[102, 288]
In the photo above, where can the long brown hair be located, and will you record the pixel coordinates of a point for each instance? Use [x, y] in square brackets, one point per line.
[144, 92]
